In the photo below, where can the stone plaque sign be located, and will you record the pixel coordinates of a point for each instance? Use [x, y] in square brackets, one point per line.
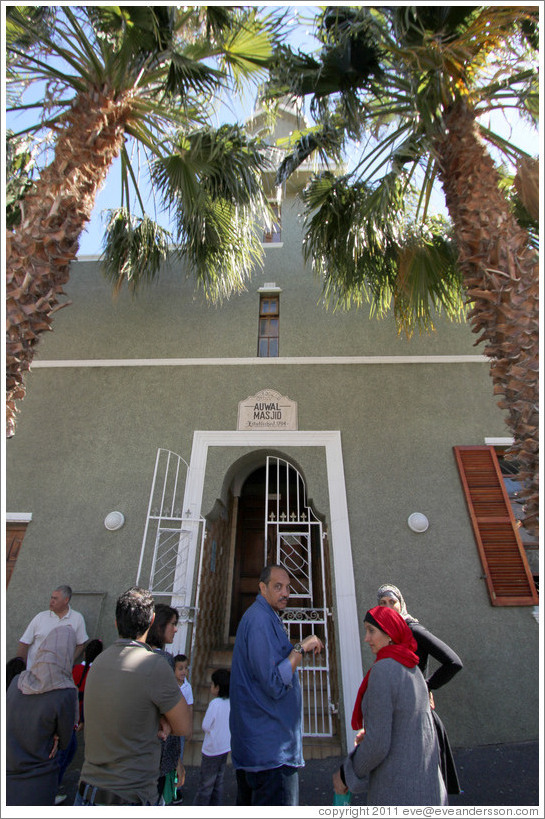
[267, 409]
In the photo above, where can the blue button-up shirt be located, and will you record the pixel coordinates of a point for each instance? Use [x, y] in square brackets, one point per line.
[265, 694]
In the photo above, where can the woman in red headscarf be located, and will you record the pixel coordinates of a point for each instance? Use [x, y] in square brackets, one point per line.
[397, 745]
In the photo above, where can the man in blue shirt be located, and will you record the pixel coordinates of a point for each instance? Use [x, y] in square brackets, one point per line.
[265, 696]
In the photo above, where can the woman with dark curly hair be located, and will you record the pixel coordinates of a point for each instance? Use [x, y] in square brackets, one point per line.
[161, 633]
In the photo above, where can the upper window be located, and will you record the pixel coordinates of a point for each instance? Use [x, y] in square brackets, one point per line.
[273, 233]
[269, 307]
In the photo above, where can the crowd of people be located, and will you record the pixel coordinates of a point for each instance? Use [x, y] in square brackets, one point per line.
[134, 703]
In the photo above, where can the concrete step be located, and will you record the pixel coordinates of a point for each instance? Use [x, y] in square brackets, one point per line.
[221, 658]
[321, 747]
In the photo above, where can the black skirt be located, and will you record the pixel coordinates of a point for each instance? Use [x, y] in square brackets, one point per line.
[448, 767]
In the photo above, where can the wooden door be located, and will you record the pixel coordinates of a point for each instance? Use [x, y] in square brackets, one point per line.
[249, 557]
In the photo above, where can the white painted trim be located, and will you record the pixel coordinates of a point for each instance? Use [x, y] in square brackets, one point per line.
[499, 441]
[347, 613]
[18, 517]
[259, 362]
[95, 257]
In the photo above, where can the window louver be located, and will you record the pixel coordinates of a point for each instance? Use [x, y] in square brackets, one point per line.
[508, 576]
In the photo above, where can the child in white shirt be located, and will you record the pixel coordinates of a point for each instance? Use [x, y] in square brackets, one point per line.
[181, 670]
[217, 741]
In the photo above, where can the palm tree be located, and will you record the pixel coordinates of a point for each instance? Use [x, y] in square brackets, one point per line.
[412, 84]
[117, 76]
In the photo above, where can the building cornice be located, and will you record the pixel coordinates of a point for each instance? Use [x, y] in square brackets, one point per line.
[289, 361]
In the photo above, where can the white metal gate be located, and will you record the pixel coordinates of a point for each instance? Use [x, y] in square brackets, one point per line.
[171, 538]
[294, 539]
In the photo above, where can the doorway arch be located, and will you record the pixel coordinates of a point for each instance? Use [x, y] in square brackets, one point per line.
[185, 587]
[346, 614]
[275, 524]
[342, 570]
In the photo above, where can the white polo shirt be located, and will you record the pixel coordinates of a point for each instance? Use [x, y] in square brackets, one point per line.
[44, 622]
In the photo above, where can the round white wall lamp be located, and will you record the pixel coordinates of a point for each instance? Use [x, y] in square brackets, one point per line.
[418, 522]
[114, 520]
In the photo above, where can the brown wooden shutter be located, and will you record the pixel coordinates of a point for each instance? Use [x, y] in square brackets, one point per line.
[508, 576]
[15, 533]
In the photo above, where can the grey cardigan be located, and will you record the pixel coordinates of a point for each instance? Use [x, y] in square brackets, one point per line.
[399, 752]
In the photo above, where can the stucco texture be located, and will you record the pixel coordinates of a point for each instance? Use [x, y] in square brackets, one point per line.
[87, 438]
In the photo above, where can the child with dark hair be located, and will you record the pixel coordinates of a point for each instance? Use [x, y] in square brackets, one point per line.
[217, 741]
[181, 671]
[14, 667]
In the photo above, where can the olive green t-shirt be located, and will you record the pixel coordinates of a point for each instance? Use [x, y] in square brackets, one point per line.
[128, 687]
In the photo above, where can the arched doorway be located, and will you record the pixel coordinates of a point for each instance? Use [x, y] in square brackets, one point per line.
[275, 524]
[197, 560]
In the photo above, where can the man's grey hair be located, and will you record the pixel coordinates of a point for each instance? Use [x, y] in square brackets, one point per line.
[66, 591]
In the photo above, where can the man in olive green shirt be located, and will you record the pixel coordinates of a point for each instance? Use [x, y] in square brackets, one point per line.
[132, 701]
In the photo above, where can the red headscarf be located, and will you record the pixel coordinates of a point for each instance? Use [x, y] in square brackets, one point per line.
[403, 649]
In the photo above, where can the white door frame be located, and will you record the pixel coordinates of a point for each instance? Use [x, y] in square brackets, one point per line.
[345, 592]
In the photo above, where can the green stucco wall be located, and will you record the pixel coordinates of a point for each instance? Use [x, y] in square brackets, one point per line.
[87, 438]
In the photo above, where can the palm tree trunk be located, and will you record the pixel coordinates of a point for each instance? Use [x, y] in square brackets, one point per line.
[40, 250]
[501, 276]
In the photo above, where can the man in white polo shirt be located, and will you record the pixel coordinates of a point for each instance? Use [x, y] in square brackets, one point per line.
[59, 612]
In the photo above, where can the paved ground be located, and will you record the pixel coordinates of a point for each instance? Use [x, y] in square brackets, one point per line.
[489, 775]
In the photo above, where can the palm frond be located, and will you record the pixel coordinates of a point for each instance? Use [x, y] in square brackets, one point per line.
[363, 249]
[326, 140]
[26, 25]
[213, 183]
[141, 29]
[220, 245]
[134, 249]
[248, 50]
[344, 222]
[294, 74]
[186, 77]
[223, 162]
[428, 279]
[217, 20]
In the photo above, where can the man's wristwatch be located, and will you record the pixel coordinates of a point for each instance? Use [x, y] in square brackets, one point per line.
[299, 647]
